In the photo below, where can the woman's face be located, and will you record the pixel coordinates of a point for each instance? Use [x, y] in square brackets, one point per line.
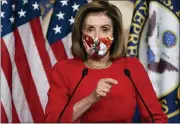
[98, 25]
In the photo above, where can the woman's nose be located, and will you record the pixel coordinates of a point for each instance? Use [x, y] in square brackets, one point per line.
[97, 34]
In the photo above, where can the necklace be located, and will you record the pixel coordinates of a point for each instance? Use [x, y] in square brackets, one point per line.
[97, 65]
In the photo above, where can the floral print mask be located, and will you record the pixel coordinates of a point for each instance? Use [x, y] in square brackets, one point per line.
[97, 47]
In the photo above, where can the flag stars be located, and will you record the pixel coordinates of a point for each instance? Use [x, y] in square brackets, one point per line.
[57, 29]
[4, 2]
[64, 2]
[75, 7]
[71, 20]
[21, 13]
[2, 14]
[25, 1]
[11, 19]
[36, 6]
[13, 7]
[60, 15]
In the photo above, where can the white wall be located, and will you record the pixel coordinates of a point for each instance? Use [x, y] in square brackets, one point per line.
[126, 8]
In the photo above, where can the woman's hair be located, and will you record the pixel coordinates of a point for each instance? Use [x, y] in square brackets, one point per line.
[118, 48]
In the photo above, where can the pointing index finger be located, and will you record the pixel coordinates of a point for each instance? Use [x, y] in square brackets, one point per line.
[110, 81]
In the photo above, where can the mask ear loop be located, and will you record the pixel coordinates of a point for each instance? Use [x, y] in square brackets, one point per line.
[112, 39]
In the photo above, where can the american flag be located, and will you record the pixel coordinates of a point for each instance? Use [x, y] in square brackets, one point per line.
[25, 62]
[27, 57]
[59, 31]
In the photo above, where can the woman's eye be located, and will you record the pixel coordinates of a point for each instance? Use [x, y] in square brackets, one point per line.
[105, 30]
[89, 30]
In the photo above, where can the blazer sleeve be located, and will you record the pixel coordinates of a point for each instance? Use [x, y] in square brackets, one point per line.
[58, 97]
[147, 92]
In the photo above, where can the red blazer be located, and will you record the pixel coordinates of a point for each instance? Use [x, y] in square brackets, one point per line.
[119, 104]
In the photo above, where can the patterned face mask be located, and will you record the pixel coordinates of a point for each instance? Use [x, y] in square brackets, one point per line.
[97, 47]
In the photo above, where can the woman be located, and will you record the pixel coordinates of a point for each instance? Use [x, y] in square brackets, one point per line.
[105, 94]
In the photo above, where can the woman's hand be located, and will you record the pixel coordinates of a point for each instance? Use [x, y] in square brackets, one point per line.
[101, 90]
[103, 87]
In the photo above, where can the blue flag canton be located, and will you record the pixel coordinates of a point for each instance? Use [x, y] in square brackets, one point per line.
[15, 13]
[62, 19]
